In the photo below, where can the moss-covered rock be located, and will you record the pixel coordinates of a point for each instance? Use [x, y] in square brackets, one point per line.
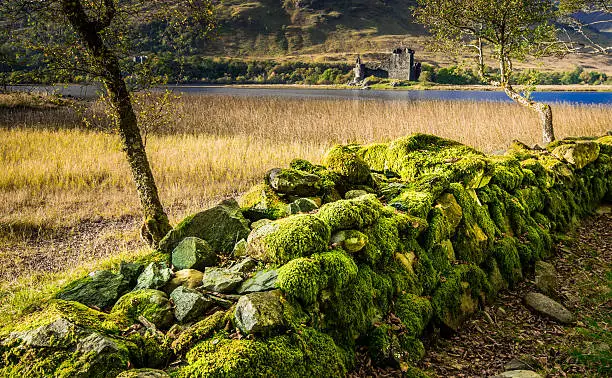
[151, 304]
[579, 153]
[261, 313]
[350, 240]
[101, 289]
[345, 161]
[415, 313]
[221, 226]
[200, 331]
[302, 279]
[288, 238]
[261, 202]
[303, 353]
[294, 182]
[193, 253]
[143, 373]
[354, 214]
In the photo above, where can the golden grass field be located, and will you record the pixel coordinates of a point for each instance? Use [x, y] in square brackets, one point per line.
[67, 201]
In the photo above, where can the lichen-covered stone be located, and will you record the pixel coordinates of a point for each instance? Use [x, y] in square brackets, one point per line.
[350, 240]
[221, 280]
[262, 202]
[288, 238]
[355, 193]
[451, 210]
[143, 373]
[100, 289]
[260, 313]
[193, 253]
[301, 205]
[546, 278]
[239, 249]
[291, 181]
[345, 161]
[548, 307]
[155, 276]
[263, 280]
[221, 226]
[189, 304]
[579, 154]
[190, 278]
[246, 265]
[151, 304]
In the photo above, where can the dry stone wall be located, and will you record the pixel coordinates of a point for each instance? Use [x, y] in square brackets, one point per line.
[377, 246]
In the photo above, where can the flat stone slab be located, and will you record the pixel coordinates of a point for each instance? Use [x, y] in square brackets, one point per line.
[221, 280]
[518, 374]
[262, 281]
[541, 304]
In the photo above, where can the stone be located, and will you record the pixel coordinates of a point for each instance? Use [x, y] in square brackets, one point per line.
[221, 280]
[244, 266]
[263, 280]
[516, 364]
[221, 226]
[262, 202]
[301, 205]
[189, 304]
[518, 374]
[193, 253]
[130, 272]
[100, 289]
[143, 373]
[350, 240]
[154, 276]
[239, 248]
[151, 304]
[355, 193]
[291, 181]
[548, 307]
[57, 334]
[580, 154]
[546, 278]
[447, 203]
[190, 278]
[260, 313]
[262, 222]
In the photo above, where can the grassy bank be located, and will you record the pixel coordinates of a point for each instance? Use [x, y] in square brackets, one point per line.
[67, 199]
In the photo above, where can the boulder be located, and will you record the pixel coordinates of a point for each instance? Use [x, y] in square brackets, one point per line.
[100, 289]
[451, 209]
[288, 238]
[244, 266]
[154, 276]
[291, 181]
[516, 364]
[260, 313]
[190, 278]
[355, 193]
[548, 307]
[239, 248]
[346, 162]
[263, 280]
[221, 280]
[193, 253]
[189, 304]
[518, 374]
[301, 205]
[262, 202]
[221, 226]
[579, 154]
[262, 222]
[546, 278]
[130, 272]
[151, 304]
[350, 240]
[143, 373]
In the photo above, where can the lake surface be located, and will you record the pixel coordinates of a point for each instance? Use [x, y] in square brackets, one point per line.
[587, 98]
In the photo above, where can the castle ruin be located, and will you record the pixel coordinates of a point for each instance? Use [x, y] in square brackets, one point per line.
[399, 65]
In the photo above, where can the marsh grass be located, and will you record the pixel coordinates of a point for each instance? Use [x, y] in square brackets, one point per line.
[67, 201]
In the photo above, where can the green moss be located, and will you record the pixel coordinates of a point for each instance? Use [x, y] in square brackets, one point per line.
[306, 352]
[199, 331]
[415, 202]
[302, 279]
[285, 239]
[605, 144]
[415, 313]
[345, 161]
[532, 198]
[339, 268]
[412, 347]
[507, 172]
[383, 242]
[508, 260]
[152, 304]
[354, 214]
[305, 166]
[427, 275]
[375, 155]
[262, 202]
[520, 151]
[438, 229]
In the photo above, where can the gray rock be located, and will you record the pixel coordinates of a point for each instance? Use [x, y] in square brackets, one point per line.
[260, 313]
[189, 304]
[221, 226]
[245, 265]
[351, 240]
[100, 289]
[546, 277]
[193, 253]
[262, 281]
[516, 364]
[190, 278]
[130, 272]
[96, 343]
[154, 276]
[262, 222]
[143, 373]
[546, 306]
[291, 181]
[239, 248]
[355, 193]
[301, 205]
[59, 334]
[518, 374]
[221, 280]
[149, 303]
